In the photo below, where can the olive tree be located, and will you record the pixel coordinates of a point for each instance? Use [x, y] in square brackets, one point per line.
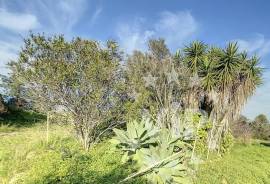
[79, 77]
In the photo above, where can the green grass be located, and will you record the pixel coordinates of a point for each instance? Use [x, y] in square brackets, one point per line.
[11, 121]
[26, 158]
[246, 164]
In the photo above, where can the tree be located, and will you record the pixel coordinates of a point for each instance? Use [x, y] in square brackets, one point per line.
[195, 55]
[241, 129]
[158, 48]
[228, 79]
[194, 58]
[158, 80]
[78, 77]
[261, 127]
[214, 80]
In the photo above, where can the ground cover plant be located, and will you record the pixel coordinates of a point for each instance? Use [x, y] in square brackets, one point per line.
[27, 158]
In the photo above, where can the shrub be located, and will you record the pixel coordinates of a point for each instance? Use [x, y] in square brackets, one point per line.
[3, 107]
[242, 130]
[261, 127]
[227, 143]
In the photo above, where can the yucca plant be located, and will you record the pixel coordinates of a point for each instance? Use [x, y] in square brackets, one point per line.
[138, 135]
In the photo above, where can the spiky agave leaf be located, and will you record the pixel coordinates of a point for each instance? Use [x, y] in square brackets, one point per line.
[161, 164]
[138, 135]
[164, 162]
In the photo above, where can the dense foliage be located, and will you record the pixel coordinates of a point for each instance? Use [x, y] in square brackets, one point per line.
[213, 80]
[245, 129]
[79, 77]
[172, 109]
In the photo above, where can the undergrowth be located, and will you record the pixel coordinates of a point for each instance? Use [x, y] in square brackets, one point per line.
[26, 157]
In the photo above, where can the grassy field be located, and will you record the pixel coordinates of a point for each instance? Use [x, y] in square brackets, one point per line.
[26, 157]
[244, 165]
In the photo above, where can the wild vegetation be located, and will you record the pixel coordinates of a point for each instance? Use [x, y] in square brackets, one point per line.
[26, 157]
[245, 129]
[166, 114]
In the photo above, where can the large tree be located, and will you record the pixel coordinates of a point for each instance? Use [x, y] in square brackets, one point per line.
[79, 77]
[228, 78]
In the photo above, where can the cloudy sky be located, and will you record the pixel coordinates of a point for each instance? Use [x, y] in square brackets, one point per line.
[132, 23]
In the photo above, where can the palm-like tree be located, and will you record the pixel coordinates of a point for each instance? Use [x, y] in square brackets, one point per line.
[195, 54]
[250, 77]
[228, 66]
[228, 78]
[208, 74]
[252, 74]
[238, 78]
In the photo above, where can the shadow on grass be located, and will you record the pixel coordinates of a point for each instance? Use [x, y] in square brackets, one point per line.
[93, 177]
[265, 144]
[21, 118]
[114, 177]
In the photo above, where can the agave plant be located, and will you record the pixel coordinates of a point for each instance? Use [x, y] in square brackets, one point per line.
[162, 163]
[138, 135]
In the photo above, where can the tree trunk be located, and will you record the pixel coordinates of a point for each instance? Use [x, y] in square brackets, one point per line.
[48, 125]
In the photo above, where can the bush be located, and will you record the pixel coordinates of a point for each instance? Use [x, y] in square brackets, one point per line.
[68, 164]
[261, 127]
[227, 143]
[242, 130]
[21, 118]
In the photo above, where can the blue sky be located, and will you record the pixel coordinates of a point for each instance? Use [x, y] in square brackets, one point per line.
[132, 23]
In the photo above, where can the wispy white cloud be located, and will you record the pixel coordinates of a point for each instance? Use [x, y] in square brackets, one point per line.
[47, 16]
[175, 28]
[133, 36]
[17, 21]
[58, 16]
[258, 44]
[96, 14]
[8, 51]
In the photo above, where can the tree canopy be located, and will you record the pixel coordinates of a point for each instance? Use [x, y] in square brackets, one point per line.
[98, 87]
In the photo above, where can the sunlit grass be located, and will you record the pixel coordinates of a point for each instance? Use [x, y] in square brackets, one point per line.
[26, 157]
[246, 164]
